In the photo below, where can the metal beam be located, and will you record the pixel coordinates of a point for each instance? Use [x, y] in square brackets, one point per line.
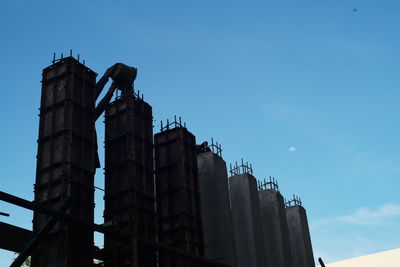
[37, 238]
[13, 238]
[55, 213]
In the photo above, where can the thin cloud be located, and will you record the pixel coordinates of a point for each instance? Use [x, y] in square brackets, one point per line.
[364, 216]
[367, 216]
[292, 149]
[365, 231]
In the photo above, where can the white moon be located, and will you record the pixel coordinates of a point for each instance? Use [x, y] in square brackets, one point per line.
[292, 149]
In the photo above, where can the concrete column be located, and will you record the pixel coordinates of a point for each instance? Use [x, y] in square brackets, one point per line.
[65, 163]
[249, 239]
[215, 208]
[177, 187]
[299, 235]
[275, 228]
[129, 198]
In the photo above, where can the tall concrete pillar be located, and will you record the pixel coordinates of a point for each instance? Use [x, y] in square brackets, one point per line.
[178, 193]
[249, 239]
[215, 208]
[129, 183]
[65, 163]
[275, 228]
[299, 235]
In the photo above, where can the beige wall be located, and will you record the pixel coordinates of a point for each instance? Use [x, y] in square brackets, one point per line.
[389, 258]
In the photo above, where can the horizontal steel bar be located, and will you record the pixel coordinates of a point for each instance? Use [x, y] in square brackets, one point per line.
[13, 238]
[38, 208]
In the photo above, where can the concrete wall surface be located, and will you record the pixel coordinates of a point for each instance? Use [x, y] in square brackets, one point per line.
[215, 208]
[249, 238]
[389, 258]
[299, 235]
[275, 228]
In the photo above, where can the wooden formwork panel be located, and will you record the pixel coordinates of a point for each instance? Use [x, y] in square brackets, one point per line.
[65, 163]
[177, 185]
[129, 180]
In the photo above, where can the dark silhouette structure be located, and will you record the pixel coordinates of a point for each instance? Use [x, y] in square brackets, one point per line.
[167, 202]
[178, 197]
[65, 163]
[248, 232]
[299, 234]
[219, 242]
[274, 223]
[129, 182]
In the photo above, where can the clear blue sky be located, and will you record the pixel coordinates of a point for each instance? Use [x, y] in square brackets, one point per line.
[258, 76]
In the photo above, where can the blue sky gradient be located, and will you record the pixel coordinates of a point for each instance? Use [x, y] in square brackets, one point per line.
[258, 76]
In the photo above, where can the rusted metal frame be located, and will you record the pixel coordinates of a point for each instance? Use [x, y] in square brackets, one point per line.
[41, 209]
[38, 237]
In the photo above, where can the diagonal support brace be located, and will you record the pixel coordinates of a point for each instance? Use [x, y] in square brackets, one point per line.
[37, 238]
